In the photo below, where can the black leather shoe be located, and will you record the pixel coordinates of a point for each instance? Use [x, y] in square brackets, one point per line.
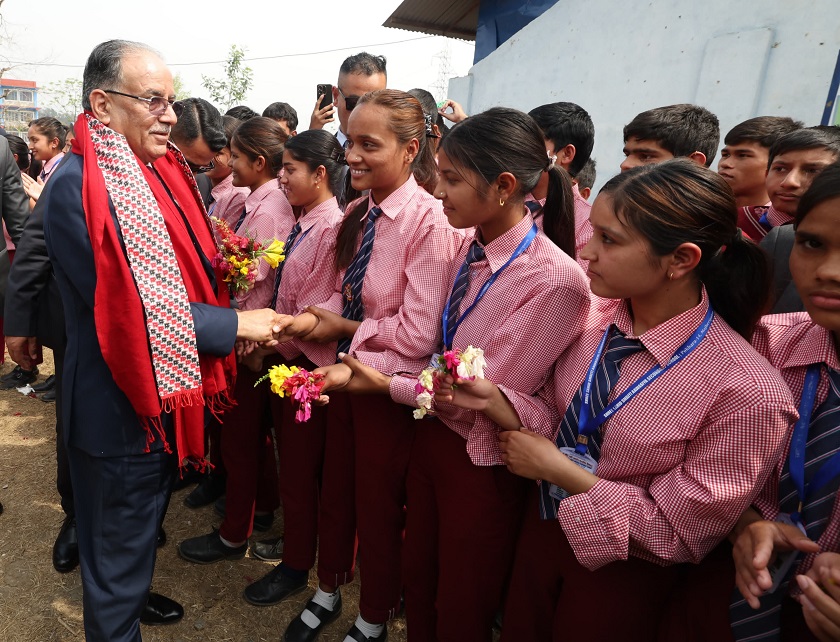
[161, 540]
[46, 384]
[300, 631]
[262, 523]
[160, 609]
[66, 548]
[208, 491]
[356, 634]
[48, 396]
[1, 508]
[273, 588]
[18, 378]
[210, 548]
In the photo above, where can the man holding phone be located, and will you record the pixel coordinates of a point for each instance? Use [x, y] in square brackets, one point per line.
[359, 74]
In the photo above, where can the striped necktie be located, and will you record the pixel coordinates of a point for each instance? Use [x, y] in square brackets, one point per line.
[351, 287]
[606, 376]
[462, 283]
[823, 442]
[278, 272]
[240, 220]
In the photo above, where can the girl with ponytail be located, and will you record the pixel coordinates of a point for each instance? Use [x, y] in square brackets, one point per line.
[665, 421]
[509, 288]
[393, 253]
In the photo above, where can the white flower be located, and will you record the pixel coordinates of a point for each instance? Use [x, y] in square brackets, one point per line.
[426, 379]
[472, 363]
[419, 413]
[424, 402]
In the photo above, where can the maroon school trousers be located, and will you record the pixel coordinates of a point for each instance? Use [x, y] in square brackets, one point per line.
[384, 432]
[248, 454]
[461, 530]
[301, 447]
[552, 598]
[337, 506]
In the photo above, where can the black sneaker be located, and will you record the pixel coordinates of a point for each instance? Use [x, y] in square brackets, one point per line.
[18, 378]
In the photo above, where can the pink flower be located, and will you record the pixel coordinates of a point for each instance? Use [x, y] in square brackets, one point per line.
[451, 359]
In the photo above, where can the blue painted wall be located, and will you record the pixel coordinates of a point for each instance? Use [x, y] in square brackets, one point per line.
[498, 20]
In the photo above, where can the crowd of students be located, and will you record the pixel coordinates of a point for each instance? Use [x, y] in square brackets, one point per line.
[685, 447]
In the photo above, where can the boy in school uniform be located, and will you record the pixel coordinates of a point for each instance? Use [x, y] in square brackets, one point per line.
[668, 132]
[586, 179]
[795, 159]
[569, 139]
[743, 164]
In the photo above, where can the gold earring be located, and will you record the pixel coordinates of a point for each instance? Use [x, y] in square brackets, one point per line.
[501, 202]
[670, 276]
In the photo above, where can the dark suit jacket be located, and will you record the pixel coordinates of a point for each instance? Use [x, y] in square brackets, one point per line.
[14, 207]
[98, 417]
[33, 302]
[778, 244]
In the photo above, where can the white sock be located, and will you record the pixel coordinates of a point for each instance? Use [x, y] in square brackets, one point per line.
[368, 630]
[230, 544]
[322, 598]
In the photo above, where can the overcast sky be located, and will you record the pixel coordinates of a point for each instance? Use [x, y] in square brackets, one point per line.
[58, 32]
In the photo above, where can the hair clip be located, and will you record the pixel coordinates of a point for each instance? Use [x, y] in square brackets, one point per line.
[339, 157]
[430, 132]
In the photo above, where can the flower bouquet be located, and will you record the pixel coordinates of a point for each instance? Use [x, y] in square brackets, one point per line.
[298, 384]
[239, 256]
[464, 364]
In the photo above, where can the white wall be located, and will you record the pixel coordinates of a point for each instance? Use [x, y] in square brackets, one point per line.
[737, 58]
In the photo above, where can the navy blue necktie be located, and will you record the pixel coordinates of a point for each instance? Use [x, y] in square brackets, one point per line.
[618, 348]
[823, 442]
[462, 284]
[240, 220]
[764, 221]
[533, 206]
[351, 287]
[278, 272]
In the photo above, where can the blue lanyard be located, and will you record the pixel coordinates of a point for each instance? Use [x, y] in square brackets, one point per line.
[520, 249]
[798, 443]
[586, 423]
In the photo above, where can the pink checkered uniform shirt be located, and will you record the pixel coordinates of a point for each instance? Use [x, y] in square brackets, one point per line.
[533, 312]
[228, 200]
[309, 277]
[269, 216]
[406, 283]
[685, 457]
[792, 342]
[583, 228]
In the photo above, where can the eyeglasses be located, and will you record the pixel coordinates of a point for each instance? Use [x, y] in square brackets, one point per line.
[157, 104]
[200, 169]
[349, 101]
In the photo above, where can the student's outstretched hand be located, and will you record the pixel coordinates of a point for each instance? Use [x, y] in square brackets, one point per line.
[456, 115]
[481, 395]
[336, 376]
[755, 547]
[321, 117]
[820, 597]
[330, 326]
[31, 186]
[364, 379]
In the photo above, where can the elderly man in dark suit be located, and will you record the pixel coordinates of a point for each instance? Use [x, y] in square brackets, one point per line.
[150, 331]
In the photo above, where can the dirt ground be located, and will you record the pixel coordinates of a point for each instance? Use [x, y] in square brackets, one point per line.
[37, 604]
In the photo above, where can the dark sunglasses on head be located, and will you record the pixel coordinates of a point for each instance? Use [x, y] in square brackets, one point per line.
[349, 101]
[200, 169]
[157, 104]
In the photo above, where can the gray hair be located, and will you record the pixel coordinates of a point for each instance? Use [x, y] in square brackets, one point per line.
[104, 66]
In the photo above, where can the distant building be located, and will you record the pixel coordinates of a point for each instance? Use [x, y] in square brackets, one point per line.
[18, 105]
[616, 59]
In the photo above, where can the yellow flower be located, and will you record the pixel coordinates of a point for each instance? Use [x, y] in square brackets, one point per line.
[274, 253]
[243, 270]
[278, 375]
